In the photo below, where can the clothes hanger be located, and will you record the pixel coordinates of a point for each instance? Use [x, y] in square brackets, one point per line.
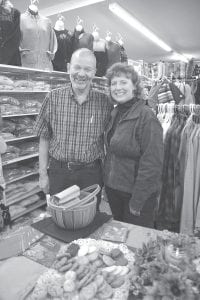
[95, 32]
[108, 36]
[59, 25]
[79, 26]
[119, 39]
[33, 9]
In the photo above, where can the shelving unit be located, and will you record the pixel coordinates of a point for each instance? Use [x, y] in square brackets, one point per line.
[19, 115]
[35, 80]
[7, 92]
[22, 177]
[18, 159]
[23, 138]
[24, 196]
[31, 208]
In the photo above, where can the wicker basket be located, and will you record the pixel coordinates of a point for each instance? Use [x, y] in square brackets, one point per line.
[79, 216]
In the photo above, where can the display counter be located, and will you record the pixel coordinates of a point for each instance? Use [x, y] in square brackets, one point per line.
[141, 247]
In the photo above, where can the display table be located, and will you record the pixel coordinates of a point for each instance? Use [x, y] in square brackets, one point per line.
[172, 271]
[43, 253]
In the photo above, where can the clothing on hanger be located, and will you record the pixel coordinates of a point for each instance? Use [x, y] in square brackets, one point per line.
[64, 51]
[123, 54]
[82, 39]
[197, 93]
[186, 91]
[113, 51]
[38, 41]
[100, 52]
[180, 193]
[9, 36]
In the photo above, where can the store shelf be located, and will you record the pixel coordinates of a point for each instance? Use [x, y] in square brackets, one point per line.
[24, 92]
[31, 208]
[20, 115]
[23, 196]
[23, 70]
[23, 138]
[50, 79]
[22, 177]
[20, 158]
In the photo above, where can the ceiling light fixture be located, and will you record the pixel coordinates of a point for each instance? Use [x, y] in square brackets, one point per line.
[128, 18]
[178, 56]
[66, 6]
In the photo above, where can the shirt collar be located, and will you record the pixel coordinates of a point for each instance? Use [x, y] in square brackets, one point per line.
[28, 13]
[73, 96]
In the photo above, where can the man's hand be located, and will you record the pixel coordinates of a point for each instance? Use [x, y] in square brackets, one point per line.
[44, 183]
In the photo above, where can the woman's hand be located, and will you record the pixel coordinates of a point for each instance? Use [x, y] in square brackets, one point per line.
[134, 212]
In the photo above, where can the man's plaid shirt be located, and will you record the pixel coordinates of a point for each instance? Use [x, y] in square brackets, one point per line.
[75, 132]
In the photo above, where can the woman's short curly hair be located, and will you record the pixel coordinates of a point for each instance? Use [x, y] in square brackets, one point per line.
[119, 69]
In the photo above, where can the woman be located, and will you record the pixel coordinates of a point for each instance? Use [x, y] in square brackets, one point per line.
[134, 143]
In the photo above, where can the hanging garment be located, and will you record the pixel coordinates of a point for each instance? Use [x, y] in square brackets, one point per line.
[102, 62]
[197, 93]
[160, 70]
[183, 67]
[166, 121]
[113, 50]
[165, 94]
[187, 92]
[123, 54]
[81, 39]
[169, 209]
[197, 185]
[38, 42]
[190, 200]
[9, 36]
[190, 68]
[64, 51]
[196, 71]
[153, 95]
[176, 93]
[100, 52]
[182, 160]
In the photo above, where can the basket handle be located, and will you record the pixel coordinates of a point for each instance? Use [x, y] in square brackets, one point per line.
[94, 187]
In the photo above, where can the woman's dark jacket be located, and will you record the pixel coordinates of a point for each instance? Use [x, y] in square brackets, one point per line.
[134, 155]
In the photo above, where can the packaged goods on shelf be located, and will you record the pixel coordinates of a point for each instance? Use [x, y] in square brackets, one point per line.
[30, 106]
[14, 190]
[22, 92]
[24, 126]
[24, 85]
[8, 109]
[6, 83]
[28, 148]
[20, 190]
[16, 209]
[8, 126]
[13, 172]
[11, 153]
[30, 200]
[18, 127]
[41, 85]
[25, 121]
[7, 135]
[9, 100]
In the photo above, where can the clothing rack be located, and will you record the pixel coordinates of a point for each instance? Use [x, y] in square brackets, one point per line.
[179, 203]
[174, 108]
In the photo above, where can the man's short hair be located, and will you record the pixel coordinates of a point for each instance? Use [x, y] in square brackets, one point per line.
[83, 52]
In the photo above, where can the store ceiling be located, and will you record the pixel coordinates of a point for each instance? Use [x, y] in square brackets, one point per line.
[176, 22]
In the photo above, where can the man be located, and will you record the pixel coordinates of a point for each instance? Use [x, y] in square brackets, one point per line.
[71, 124]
